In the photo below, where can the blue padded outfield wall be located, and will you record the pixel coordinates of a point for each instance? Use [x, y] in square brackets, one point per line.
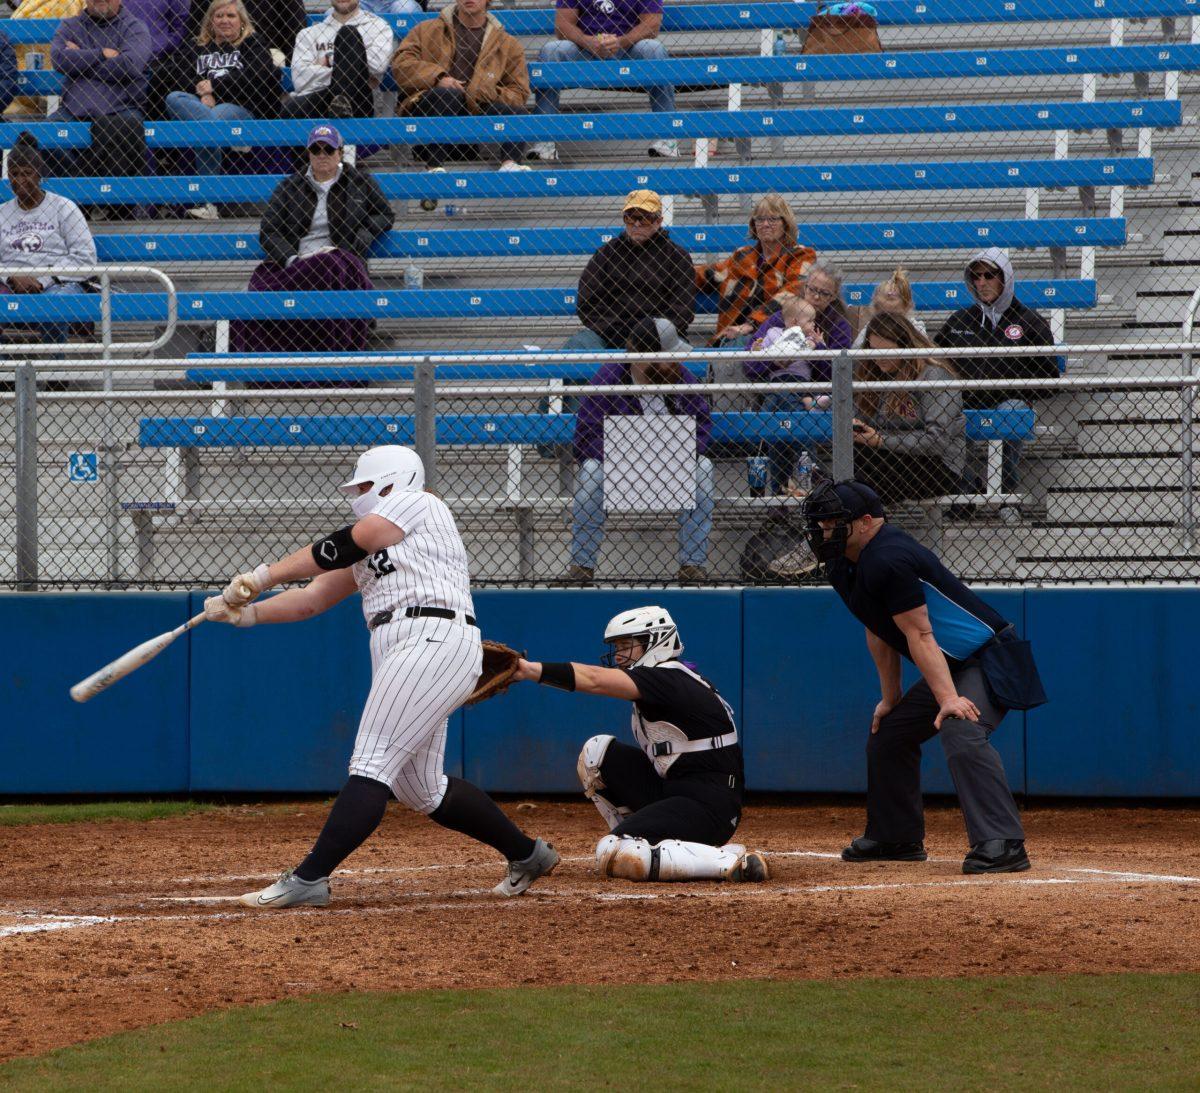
[276, 708]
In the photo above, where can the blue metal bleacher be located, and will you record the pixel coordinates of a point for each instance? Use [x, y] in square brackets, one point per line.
[364, 430]
[719, 71]
[687, 124]
[771, 16]
[386, 303]
[561, 184]
[535, 242]
[933, 64]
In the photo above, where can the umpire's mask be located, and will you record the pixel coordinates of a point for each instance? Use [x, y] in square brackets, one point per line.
[843, 502]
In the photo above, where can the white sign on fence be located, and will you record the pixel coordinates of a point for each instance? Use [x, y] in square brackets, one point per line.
[649, 463]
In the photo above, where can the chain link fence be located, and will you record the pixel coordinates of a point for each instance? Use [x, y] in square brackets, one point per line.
[766, 180]
[630, 471]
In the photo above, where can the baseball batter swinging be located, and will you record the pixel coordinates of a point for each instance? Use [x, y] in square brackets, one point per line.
[671, 803]
[405, 556]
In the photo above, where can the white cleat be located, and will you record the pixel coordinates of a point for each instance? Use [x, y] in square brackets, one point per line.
[543, 151]
[664, 149]
[521, 874]
[290, 891]
[512, 165]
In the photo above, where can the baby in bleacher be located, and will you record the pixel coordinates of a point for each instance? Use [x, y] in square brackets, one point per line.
[799, 332]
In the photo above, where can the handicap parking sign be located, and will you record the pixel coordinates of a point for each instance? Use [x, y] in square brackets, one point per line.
[83, 467]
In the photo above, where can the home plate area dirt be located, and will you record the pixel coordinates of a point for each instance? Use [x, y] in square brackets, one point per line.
[115, 925]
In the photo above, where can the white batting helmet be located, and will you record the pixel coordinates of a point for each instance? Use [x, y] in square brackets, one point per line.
[388, 465]
[653, 627]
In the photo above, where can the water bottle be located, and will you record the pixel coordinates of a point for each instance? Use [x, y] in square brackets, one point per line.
[804, 472]
[414, 276]
[454, 210]
[780, 46]
[757, 469]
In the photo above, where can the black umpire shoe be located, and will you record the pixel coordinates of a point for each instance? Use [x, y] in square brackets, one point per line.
[997, 856]
[864, 849]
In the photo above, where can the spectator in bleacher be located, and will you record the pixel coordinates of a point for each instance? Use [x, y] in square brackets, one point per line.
[752, 276]
[998, 318]
[908, 445]
[463, 62]
[616, 30]
[338, 63]
[276, 22]
[229, 75]
[799, 331]
[648, 335]
[891, 297]
[8, 73]
[822, 289]
[41, 230]
[640, 274]
[317, 230]
[103, 54]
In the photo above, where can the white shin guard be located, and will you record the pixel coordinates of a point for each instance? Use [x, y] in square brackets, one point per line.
[671, 859]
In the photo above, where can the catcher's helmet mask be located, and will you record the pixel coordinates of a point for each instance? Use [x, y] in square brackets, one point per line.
[652, 628]
[843, 503]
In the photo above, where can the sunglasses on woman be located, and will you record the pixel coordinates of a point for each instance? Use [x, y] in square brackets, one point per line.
[321, 150]
[640, 218]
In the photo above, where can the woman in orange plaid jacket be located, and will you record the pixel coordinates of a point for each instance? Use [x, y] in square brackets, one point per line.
[751, 277]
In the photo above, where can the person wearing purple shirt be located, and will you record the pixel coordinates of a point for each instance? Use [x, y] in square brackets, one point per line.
[165, 19]
[587, 515]
[103, 54]
[617, 30]
[823, 290]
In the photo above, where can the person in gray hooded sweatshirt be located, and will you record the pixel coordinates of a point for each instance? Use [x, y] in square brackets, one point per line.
[998, 318]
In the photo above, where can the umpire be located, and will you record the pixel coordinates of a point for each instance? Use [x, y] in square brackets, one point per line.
[974, 669]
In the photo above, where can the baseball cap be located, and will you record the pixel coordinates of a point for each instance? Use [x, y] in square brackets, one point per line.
[646, 200]
[324, 134]
[858, 499]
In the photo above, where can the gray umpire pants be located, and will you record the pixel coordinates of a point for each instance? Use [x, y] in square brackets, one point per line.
[895, 812]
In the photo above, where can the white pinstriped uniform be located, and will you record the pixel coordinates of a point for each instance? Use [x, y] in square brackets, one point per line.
[422, 669]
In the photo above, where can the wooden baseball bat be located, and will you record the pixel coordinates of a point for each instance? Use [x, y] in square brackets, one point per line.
[128, 662]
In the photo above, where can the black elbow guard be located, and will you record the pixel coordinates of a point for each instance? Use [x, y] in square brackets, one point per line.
[337, 550]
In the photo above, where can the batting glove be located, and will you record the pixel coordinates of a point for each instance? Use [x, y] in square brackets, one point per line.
[217, 610]
[247, 586]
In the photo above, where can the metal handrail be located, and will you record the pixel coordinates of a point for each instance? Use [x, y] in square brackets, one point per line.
[1187, 348]
[105, 346]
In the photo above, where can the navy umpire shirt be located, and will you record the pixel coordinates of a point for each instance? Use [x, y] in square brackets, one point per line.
[894, 574]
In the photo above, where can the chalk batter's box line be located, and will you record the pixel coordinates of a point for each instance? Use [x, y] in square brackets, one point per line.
[45, 922]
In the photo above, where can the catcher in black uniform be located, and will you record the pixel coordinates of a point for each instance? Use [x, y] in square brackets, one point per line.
[671, 802]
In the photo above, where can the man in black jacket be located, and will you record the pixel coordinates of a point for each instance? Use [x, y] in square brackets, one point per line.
[316, 232]
[998, 318]
[641, 274]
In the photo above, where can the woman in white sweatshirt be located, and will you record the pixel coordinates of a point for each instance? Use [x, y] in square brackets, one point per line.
[40, 230]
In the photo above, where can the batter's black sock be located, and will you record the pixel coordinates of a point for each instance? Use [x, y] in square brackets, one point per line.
[468, 809]
[355, 814]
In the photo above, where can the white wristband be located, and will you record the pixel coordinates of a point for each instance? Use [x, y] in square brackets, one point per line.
[248, 617]
[262, 577]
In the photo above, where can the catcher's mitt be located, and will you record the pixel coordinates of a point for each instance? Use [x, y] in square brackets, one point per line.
[499, 667]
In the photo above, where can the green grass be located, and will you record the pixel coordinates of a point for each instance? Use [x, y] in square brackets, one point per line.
[1110, 1032]
[12, 815]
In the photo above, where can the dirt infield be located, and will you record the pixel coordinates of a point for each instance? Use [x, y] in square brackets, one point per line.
[112, 926]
